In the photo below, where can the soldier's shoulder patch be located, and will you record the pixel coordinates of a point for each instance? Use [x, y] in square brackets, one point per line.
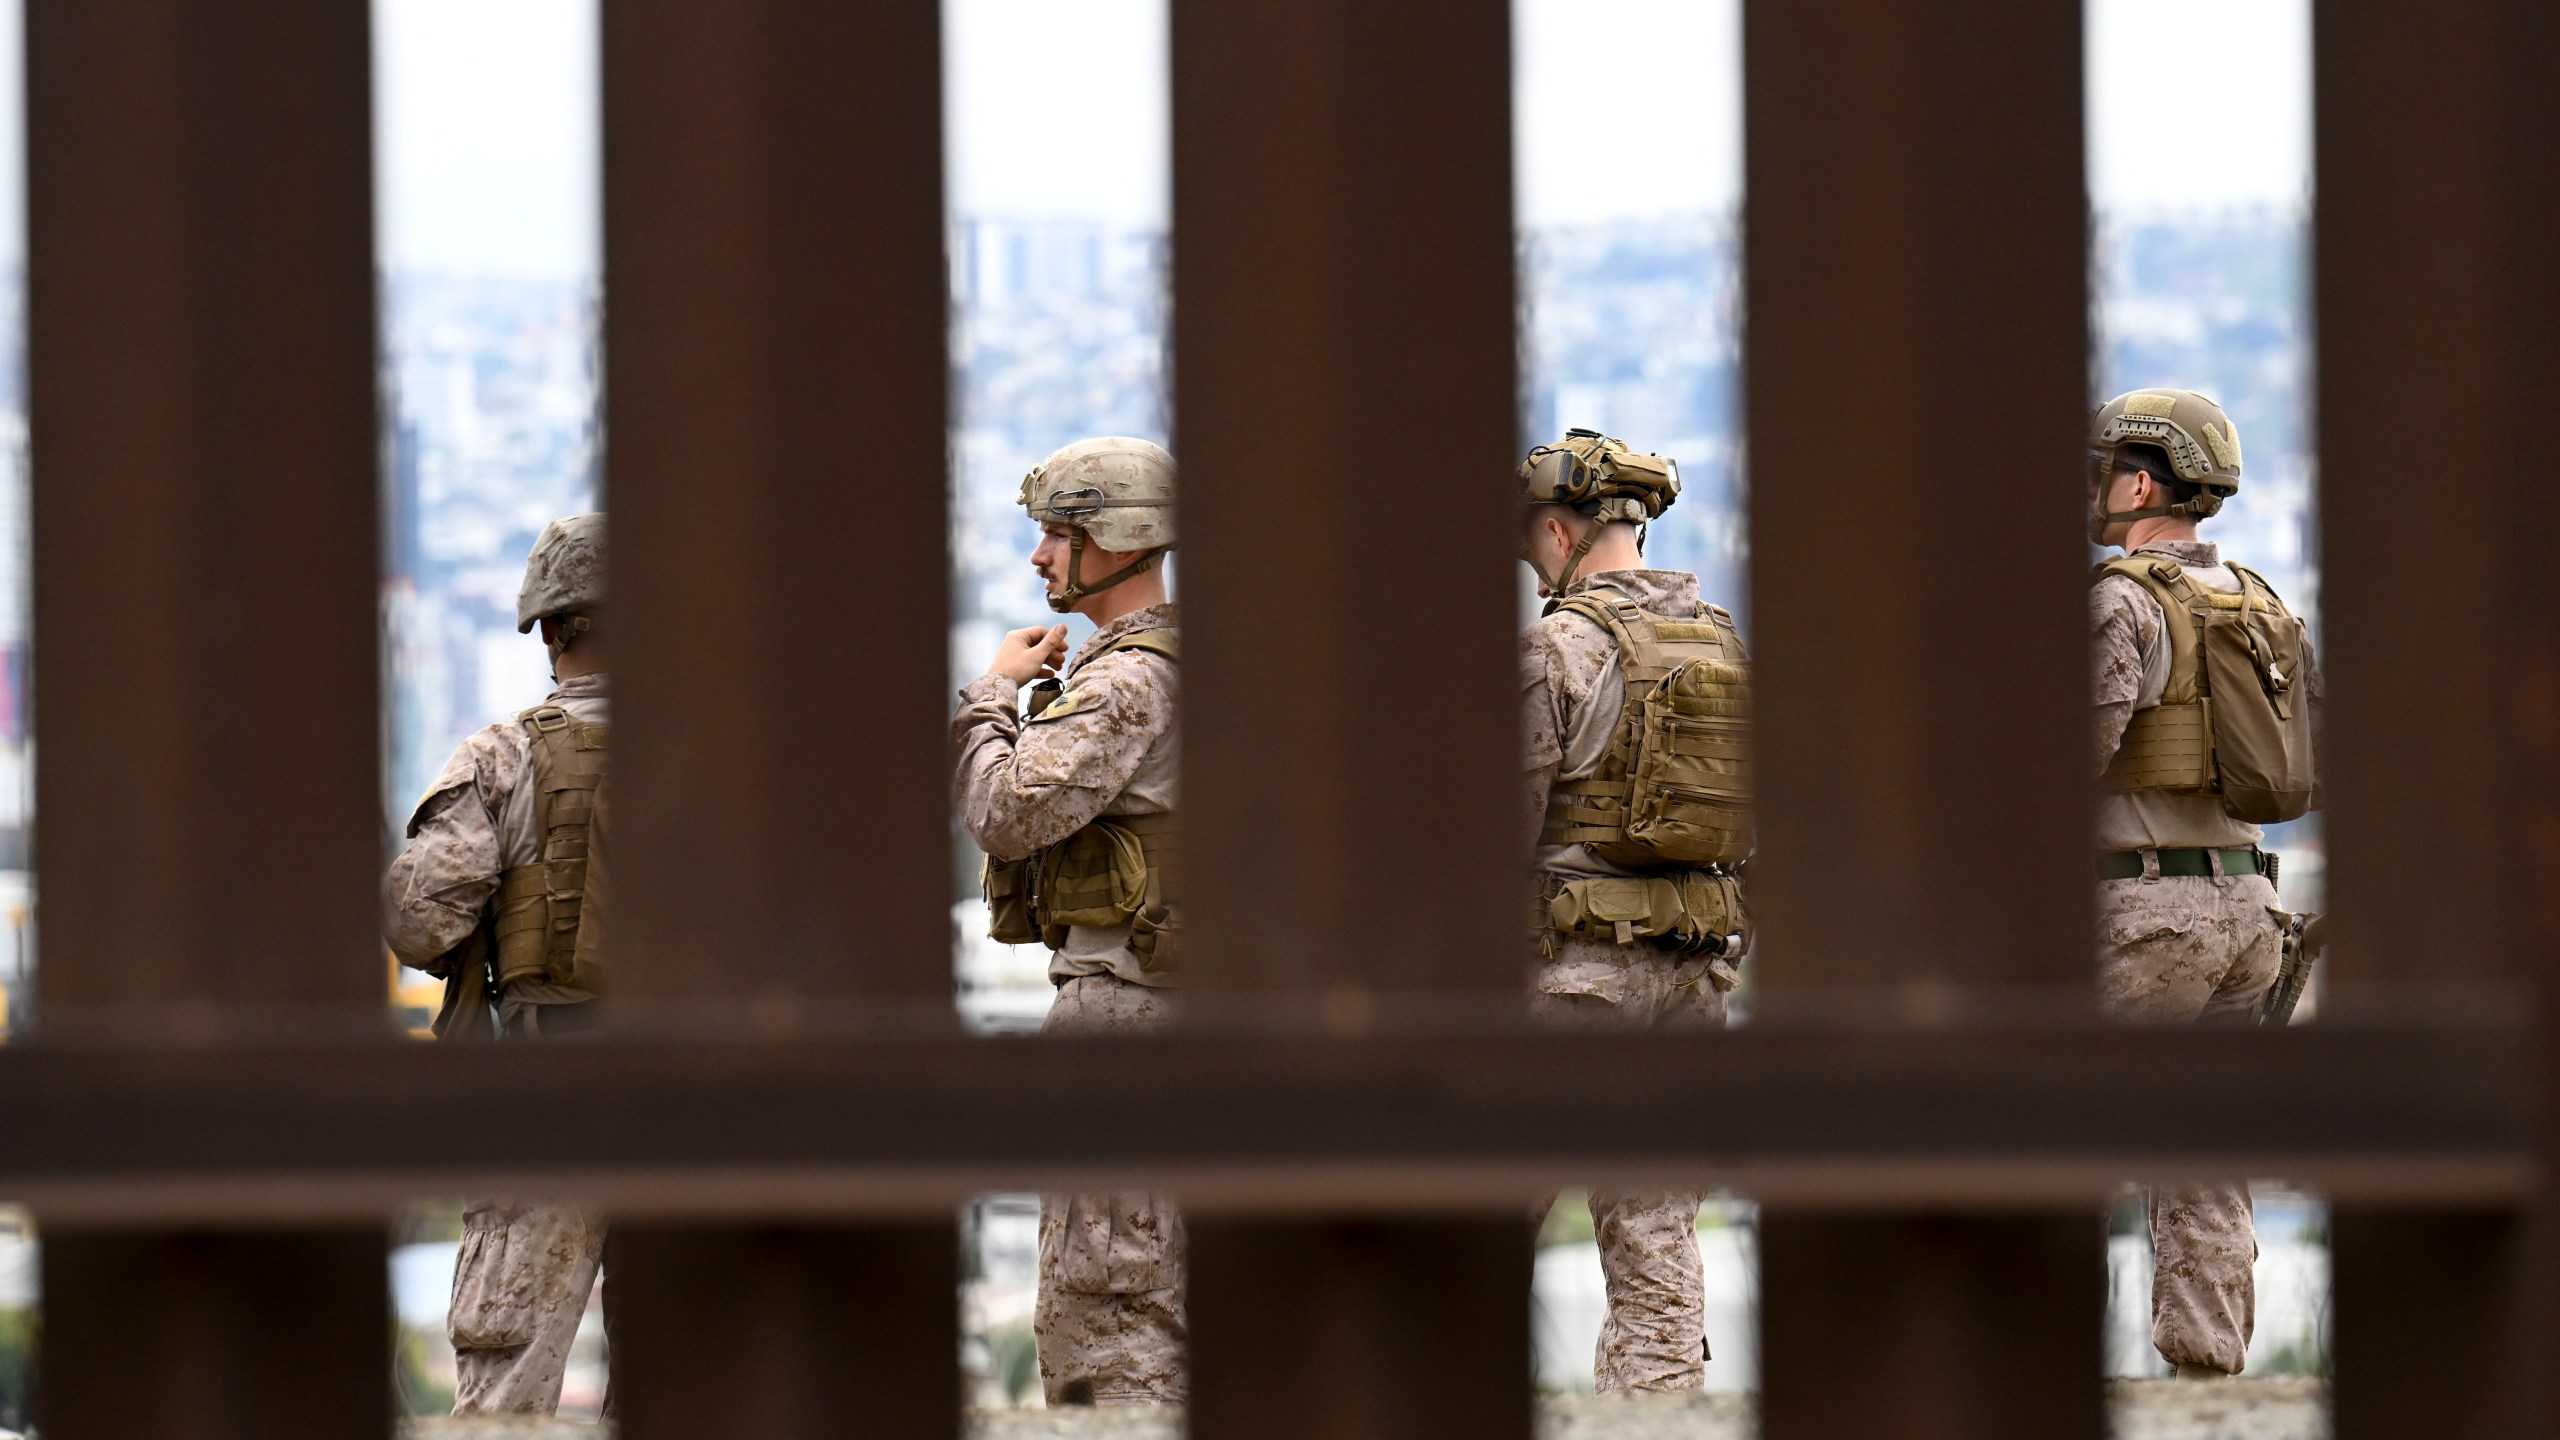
[1073, 701]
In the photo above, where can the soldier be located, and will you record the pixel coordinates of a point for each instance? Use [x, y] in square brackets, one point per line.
[1634, 696]
[2207, 699]
[1073, 801]
[488, 895]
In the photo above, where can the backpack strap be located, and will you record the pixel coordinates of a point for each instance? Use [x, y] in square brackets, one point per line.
[2181, 606]
[1160, 642]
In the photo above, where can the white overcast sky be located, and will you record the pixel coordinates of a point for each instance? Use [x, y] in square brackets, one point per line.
[487, 116]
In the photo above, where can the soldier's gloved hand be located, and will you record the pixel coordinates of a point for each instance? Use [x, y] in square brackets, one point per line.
[1030, 654]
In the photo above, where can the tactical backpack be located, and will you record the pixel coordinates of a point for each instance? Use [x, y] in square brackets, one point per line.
[2233, 721]
[1111, 872]
[1674, 787]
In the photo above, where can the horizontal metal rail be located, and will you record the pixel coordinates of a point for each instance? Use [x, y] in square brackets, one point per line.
[1848, 1118]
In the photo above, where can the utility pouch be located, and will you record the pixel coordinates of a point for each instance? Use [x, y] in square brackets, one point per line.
[1688, 910]
[1006, 884]
[1097, 877]
[1156, 937]
[1690, 799]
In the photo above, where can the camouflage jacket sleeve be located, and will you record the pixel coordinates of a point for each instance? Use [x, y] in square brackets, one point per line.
[439, 885]
[2124, 623]
[1542, 723]
[1020, 786]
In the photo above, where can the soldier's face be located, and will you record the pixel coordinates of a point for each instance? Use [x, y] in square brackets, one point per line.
[1050, 556]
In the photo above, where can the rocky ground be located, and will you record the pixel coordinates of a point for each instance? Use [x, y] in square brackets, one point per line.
[2279, 1409]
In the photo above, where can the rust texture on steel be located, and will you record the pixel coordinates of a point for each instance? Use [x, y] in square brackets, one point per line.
[217, 1335]
[776, 358]
[785, 1332]
[1941, 1326]
[1968, 1118]
[1344, 388]
[1917, 357]
[1343, 381]
[200, 320]
[776, 355]
[2453, 1277]
[1367, 1330]
[2418, 173]
[2437, 300]
[1914, 280]
[201, 396]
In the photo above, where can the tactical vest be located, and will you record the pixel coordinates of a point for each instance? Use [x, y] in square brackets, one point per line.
[1114, 871]
[2232, 722]
[1674, 787]
[1672, 796]
[539, 905]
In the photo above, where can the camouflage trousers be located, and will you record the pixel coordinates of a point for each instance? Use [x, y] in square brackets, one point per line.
[523, 1273]
[2194, 949]
[1655, 1335]
[1109, 1320]
[520, 1286]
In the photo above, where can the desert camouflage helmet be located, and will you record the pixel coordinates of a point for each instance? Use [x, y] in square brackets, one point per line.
[565, 573]
[2202, 444]
[1113, 492]
[1599, 476]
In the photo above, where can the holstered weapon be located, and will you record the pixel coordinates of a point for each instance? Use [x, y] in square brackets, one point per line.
[2304, 936]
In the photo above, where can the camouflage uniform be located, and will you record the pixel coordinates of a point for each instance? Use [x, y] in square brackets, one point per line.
[2181, 950]
[523, 1274]
[1109, 1319]
[1571, 694]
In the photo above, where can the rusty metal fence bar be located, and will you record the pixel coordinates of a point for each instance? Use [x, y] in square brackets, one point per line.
[1343, 381]
[1915, 363]
[2433, 271]
[776, 343]
[201, 325]
[788, 1115]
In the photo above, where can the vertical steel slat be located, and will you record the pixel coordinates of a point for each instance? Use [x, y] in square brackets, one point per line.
[251, 1335]
[201, 391]
[2428, 1316]
[1345, 419]
[1343, 378]
[775, 360]
[201, 395]
[794, 1331]
[1916, 369]
[1360, 1330]
[1916, 363]
[2435, 228]
[1944, 1327]
[775, 372]
[2529, 71]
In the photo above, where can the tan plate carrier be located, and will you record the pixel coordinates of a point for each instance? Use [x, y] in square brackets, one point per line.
[1114, 871]
[1672, 797]
[2231, 721]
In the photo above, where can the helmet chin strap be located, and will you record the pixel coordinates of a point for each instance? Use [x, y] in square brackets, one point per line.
[2101, 518]
[1582, 548]
[1075, 589]
[565, 630]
